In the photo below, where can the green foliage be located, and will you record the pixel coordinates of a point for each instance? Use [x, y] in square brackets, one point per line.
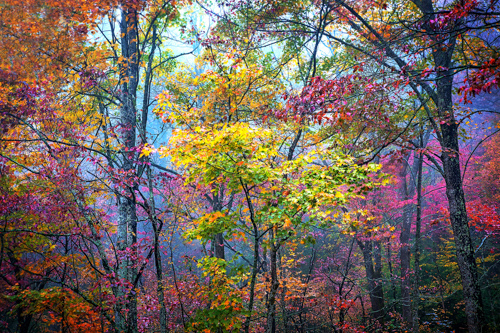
[225, 310]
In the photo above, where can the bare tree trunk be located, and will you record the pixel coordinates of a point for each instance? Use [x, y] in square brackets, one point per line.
[418, 222]
[405, 257]
[373, 266]
[256, 238]
[343, 311]
[459, 222]
[407, 190]
[253, 279]
[271, 308]
[159, 278]
[391, 272]
[157, 225]
[127, 225]
[456, 199]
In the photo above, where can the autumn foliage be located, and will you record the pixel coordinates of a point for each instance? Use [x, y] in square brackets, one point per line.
[249, 166]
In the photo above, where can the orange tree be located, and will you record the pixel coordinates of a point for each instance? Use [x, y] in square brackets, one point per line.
[58, 87]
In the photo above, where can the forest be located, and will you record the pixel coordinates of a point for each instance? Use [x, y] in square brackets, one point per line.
[249, 166]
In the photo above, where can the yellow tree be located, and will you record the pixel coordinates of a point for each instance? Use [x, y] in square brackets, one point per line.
[223, 144]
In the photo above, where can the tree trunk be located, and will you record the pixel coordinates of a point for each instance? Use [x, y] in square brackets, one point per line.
[407, 191]
[418, 222]
[253, 278]
[127, 225]
[159, 278]
[391, 273]
[343, 311]
[456, 199]
[219, 246]
[405, 257]
[373, 266]
[157, 225]
[459, 222]
[271, 309]
[216, 201]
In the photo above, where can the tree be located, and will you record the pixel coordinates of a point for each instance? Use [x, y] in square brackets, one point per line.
[64, 64]
[244, 196]
[445, 36]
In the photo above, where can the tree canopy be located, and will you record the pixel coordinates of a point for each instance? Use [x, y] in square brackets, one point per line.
[249, 166]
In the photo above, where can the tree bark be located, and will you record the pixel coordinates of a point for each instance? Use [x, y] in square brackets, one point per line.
[444, 43]
[459, 222]
[127, 224]
[271, 309]
[219, 246]
[157, 225]
[373, 265]
[216, 201]
[405, 257]
[418, 222]
[253, 279]
[455, 193]
[407, 191]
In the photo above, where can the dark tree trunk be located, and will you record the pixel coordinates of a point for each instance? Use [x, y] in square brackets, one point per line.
[216, 201]
[253, 279]
[373, 266]
[456, 198]
[271, 311]
[391, 273]
[459, 222]
[156, 223]
[405, 257]
[159, 278]
[219, 246]
[24, 322]
[418, 222]
[343, 311]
